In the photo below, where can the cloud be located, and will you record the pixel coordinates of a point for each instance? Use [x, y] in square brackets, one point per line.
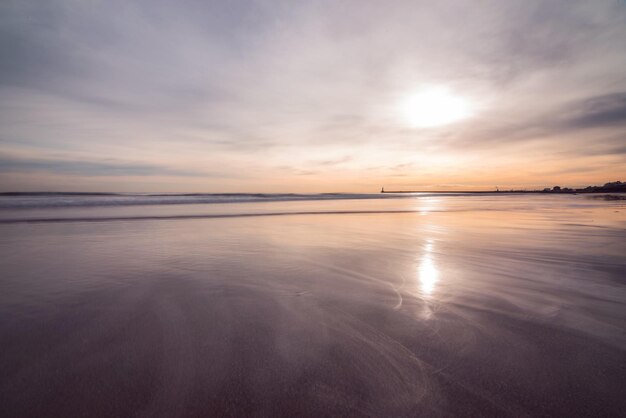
[602, 111]
[334, 162]
[92, 168]
[600, 120]
[254, 85]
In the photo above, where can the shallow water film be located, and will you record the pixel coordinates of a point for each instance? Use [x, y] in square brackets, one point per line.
[342, 305]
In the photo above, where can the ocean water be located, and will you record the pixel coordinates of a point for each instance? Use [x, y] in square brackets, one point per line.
[312, 305]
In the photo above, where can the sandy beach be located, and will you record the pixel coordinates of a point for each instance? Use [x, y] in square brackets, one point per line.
[419, 306]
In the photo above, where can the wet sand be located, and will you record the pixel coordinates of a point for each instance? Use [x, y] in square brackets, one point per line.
[451, 306]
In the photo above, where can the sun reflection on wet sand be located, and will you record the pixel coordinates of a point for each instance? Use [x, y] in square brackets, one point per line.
[427, 280]
[427, 272]
[427, 205]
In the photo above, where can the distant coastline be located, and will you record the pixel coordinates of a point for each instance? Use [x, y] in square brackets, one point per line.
[612, 187]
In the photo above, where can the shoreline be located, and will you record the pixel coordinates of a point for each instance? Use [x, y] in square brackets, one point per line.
[500, 192]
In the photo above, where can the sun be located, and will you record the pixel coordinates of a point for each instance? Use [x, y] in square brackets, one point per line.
[434, 106]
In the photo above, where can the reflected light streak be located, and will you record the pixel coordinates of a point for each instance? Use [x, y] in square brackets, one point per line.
[427, 272]
[427, 205]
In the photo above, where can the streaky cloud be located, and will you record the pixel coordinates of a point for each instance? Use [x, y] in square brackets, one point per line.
[94, 168]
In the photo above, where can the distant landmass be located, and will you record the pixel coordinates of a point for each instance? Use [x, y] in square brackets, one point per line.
[616, 186]
[611, 187]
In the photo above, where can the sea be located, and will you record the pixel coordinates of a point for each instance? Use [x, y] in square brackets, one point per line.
[424, 304]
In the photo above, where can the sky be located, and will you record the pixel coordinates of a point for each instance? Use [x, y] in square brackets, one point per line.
[315, 96]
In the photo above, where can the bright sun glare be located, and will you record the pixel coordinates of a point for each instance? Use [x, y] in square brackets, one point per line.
[434, 106]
